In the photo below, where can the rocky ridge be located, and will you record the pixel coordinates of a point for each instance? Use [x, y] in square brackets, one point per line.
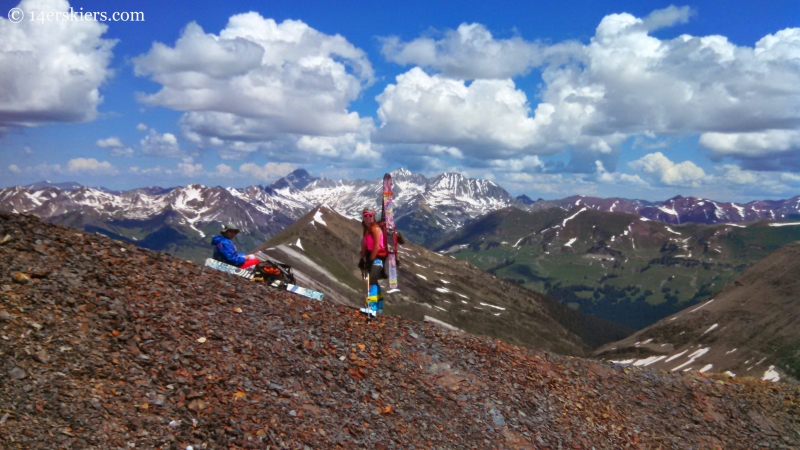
[107, 345]
[680, 209]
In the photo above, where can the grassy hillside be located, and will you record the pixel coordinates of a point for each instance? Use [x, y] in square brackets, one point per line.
[615, 266]
[749, 328]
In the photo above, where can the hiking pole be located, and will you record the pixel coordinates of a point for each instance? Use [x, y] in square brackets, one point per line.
[366, 299]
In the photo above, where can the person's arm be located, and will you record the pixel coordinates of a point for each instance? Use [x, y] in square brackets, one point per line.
[229, 250]
[377, 238]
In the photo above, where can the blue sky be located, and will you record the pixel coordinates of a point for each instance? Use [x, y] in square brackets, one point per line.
[640, 99]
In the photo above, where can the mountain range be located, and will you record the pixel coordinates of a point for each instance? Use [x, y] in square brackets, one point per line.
[615, 265]
[628, 261]
[749, 328]
[179, 219]
[427, 209]
[679, 209]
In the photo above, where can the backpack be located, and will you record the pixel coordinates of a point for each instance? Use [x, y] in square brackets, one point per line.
[397, 239]
[271, 271]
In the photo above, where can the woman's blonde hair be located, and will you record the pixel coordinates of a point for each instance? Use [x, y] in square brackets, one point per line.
[364, 226]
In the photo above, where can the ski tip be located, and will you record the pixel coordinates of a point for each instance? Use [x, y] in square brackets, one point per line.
[392, 291]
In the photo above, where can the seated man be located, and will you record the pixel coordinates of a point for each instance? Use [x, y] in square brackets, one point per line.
[225, 251]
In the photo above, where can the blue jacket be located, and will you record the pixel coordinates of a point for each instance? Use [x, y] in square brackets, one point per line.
[225, 251]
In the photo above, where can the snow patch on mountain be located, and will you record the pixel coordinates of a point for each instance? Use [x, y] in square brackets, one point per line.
[318, 218]
[564, 223]
[788, 224]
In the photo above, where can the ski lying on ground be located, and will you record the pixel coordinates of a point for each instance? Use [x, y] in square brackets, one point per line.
[248, 274]
[300, 290]
[214, 264]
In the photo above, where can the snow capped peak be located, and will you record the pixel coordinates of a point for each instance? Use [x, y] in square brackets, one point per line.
[401, 173]
[298, 179]
[449, 199]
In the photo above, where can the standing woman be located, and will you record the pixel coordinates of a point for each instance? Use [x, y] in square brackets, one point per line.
[373, 253]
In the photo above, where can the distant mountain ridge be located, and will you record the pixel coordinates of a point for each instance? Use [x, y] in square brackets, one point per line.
[65, 186]
[196, 211]
[679, 209]
[426, 209]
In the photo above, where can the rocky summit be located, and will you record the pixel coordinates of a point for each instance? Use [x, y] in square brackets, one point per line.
[107, 345]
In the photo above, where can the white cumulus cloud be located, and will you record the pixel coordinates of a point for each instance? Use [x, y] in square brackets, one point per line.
[485, 118]
[606, 177]
[770, 149]
[687, 85]
[115, 145]
[51, 72]
[443, 150]
[189, 169]
[150, 171]
[471, 52]
[90, 165]
[660, 169]
[223, 171]
[743, 100]
[356, 146]
[526, 164]
[14, 168]
[258, 81]
[110, 142]
[158, 144]
[127, 152]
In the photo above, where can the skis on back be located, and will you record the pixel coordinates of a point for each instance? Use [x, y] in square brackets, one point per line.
[248, 274]
[387, 215]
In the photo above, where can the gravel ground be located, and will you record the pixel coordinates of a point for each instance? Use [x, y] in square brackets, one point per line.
[105, 345]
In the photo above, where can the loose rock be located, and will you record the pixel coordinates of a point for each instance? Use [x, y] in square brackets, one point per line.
[122, 365]
[16, 373]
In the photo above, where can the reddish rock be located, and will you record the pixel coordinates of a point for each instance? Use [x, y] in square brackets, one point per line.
[124, 368]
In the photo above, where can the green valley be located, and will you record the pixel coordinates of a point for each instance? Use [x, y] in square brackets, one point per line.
[616, 266]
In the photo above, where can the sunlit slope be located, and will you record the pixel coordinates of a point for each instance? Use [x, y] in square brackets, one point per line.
[618, 266]
[323, 246]
[750, 328]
